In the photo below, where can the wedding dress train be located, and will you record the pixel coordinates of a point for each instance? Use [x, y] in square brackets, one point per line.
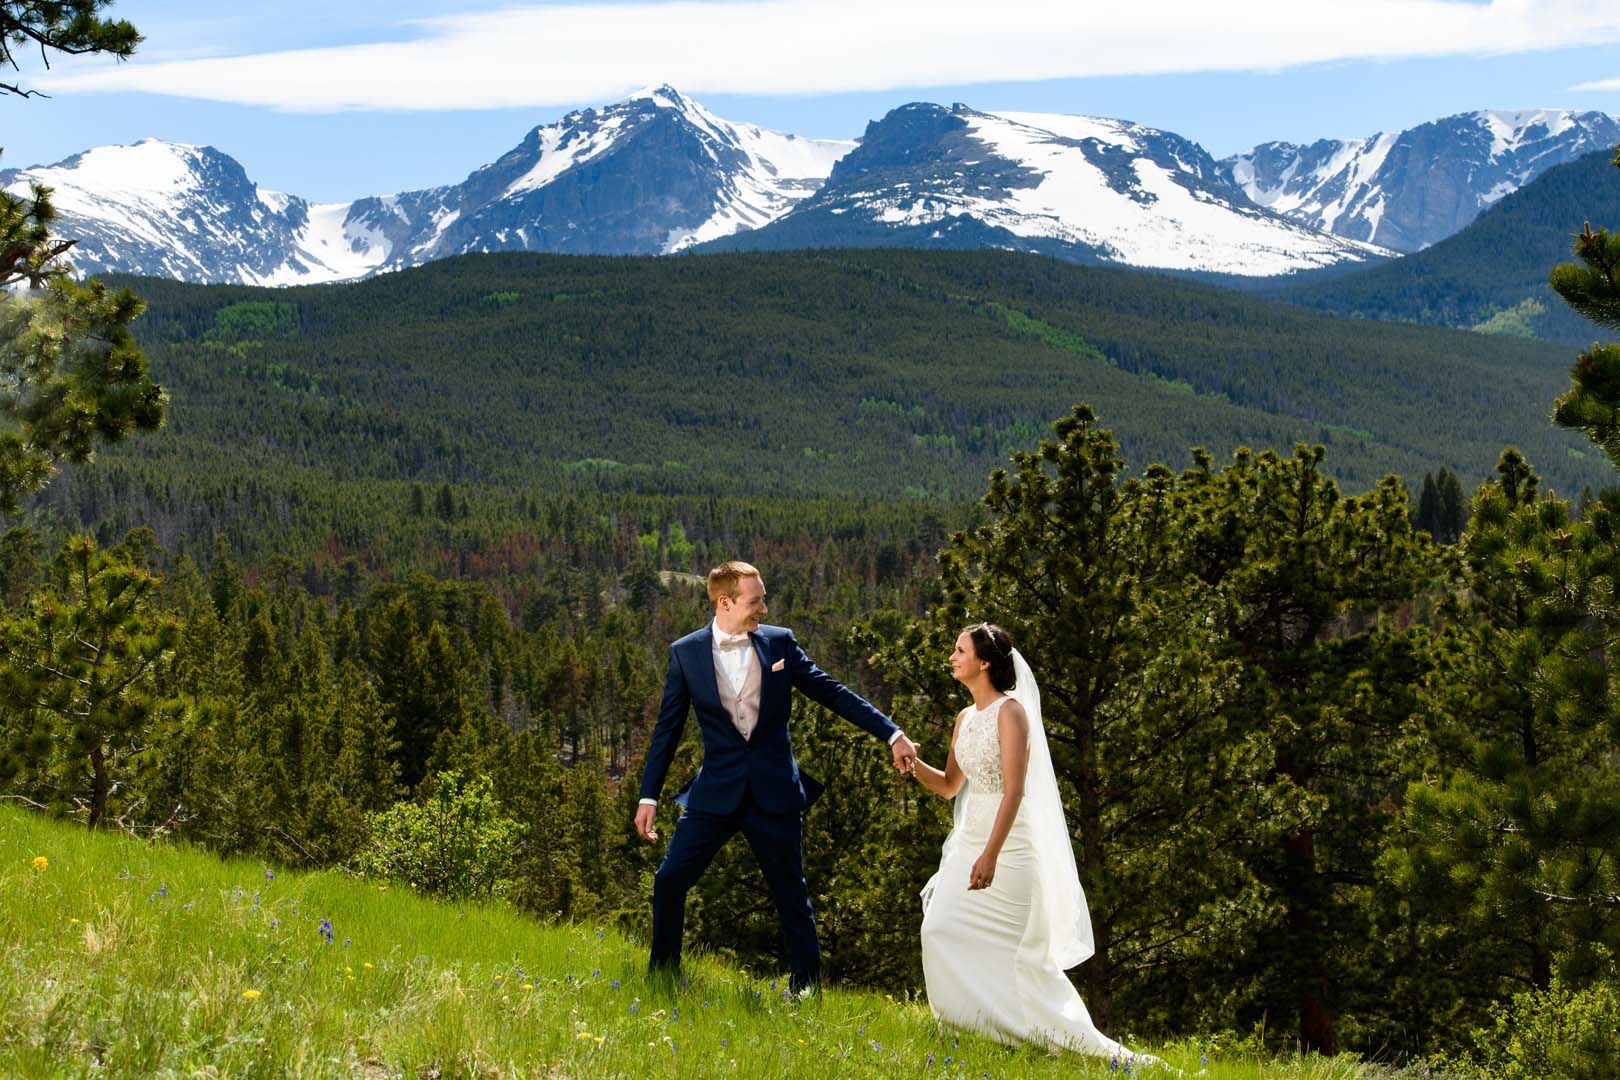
[994, 958]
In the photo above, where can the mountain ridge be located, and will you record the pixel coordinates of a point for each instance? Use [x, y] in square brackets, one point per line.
[1406, 190]
[657, 173]
[679, 175]
[1084, 189]
[1491, 275]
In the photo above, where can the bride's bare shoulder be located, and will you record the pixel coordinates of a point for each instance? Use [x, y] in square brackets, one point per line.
[1013, 713]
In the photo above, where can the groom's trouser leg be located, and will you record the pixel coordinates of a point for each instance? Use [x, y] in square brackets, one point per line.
[698, 838]
[778, 843]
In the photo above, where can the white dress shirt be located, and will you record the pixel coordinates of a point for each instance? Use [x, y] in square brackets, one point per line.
[731, 664]
[730, 661]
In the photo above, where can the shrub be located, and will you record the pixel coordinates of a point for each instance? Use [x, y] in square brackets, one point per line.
[1553, 1034]
[456, 844]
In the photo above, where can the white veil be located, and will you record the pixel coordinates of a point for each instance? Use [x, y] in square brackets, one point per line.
[1060, 901]
[1061, 919]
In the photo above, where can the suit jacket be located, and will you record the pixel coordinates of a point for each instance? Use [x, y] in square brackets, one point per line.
[764, 763]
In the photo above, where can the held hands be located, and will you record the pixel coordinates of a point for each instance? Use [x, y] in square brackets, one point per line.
[905, 754]
[645, 813]
[983, 872]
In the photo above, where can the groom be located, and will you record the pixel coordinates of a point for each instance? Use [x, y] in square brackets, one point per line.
[736, 675]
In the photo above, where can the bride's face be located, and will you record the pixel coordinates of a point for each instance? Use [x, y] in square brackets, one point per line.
[965, 663]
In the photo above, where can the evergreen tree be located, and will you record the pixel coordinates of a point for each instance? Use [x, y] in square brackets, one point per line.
[82, 658]
[71, 374]
[1091, 575]
[75, 27]
[20, 549]
[1452, 510]
[1310, 583]
[1428, 507]
[1522, 822]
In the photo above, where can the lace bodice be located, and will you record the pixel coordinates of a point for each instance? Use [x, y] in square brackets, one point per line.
[978, 749]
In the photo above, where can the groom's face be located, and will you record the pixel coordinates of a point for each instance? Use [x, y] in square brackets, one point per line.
[741, 614]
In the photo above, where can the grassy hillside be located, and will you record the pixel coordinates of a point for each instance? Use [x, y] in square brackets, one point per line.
[1493, 274]
[127, 959]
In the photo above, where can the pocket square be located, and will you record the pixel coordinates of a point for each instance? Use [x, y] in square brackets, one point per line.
[779, 665]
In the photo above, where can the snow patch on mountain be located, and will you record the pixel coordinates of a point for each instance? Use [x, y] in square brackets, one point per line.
[1078, 186]
[1408, 189]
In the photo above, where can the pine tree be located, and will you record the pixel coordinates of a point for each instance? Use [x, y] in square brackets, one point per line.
[1091, 574]
[1452, 509]
[20, 550]
[1428, 507]
[75, 27]
[83, 659]
[71, 375]
[1310, 582]
[1522, 823]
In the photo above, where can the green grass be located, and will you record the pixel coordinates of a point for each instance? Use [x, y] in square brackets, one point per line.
[127, 958]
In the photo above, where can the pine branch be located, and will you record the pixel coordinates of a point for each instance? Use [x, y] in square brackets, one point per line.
[1596, 901]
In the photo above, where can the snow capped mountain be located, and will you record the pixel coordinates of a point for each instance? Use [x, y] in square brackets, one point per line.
[186, 212]
[652, 174]
[1407, 189]
[1078, 187]
[658, 173]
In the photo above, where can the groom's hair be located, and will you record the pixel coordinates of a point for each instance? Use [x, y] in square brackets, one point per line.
[723, 579]
[995, 646]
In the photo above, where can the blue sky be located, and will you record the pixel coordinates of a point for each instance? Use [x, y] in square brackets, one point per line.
[336, 99]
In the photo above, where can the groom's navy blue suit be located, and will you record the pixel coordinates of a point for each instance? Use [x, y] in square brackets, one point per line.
[751, 785]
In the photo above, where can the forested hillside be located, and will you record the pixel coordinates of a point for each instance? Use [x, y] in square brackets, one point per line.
[1491, 276]
[476, 388]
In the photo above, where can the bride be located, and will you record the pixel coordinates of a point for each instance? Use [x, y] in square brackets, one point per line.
[1005, 915]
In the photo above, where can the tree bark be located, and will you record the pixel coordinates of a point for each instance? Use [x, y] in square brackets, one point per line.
[1315, 1019]
[100, 785]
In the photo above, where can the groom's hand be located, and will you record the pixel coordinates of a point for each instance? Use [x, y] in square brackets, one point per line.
[645, 813]
[905, 754]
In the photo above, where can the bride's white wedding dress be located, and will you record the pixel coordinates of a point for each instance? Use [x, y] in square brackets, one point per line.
[994, 958]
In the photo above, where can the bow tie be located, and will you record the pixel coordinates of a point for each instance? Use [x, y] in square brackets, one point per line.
[732, 641]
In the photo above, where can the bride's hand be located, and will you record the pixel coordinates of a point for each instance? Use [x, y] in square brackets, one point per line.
[983, 872]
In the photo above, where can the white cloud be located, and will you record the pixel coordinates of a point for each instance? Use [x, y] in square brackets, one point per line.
[559, 54]
[1601, 84]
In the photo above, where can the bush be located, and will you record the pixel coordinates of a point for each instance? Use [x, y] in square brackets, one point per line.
[1554, 1034]
[457, 844]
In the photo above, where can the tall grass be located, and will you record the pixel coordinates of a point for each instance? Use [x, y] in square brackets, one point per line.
[124, 958]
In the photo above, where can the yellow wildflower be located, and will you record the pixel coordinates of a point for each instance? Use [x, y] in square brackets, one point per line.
[41, 863]
[583, 1035]
[250, 995]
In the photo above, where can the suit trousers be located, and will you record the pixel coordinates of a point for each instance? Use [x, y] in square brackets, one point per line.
[777, 841]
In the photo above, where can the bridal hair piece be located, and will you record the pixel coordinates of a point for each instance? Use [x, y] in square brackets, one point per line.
[1063, 922]
[993, 645]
